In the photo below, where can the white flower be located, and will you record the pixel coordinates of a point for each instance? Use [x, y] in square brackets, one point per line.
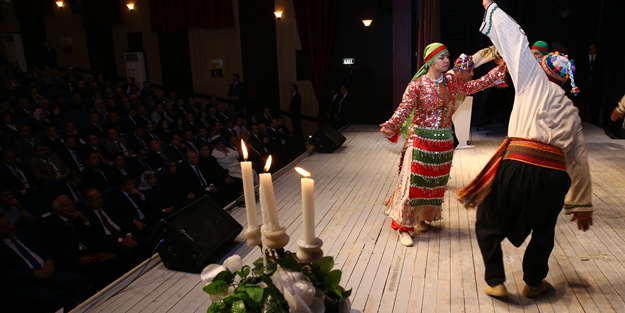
[232, 263]
[298, 291]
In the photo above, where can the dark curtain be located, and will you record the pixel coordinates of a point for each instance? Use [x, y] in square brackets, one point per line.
[102, 12]
[30, 15]
[100, 47]
[315, 24]
[175, 55]
[174, 15]
[429, 27]
[25, 9]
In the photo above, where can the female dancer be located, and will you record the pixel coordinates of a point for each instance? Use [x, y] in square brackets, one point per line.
[425, 164]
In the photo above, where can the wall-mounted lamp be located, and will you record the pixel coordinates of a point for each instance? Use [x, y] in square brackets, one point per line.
[131, 6]
[59, 4]
[367, 22]
[278, 14]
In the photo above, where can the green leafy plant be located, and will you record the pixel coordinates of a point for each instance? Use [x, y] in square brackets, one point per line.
[274, 285]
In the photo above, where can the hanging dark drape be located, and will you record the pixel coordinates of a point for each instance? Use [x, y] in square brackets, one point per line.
[102, 12]
[25, 9]
[315, 23]
[173, 15]
[429, 26]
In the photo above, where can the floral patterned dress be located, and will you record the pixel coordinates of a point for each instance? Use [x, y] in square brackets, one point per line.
[426, 162]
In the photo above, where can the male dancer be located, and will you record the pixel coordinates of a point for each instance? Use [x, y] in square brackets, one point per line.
[524, 186]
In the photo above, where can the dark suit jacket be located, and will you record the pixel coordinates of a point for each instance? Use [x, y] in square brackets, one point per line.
[214, 171]
[13, 267]
[137, 167]
[258, 144]
[264, 119]
[126, 211]
[99, 239]
[50, 58]
[64, 190]
[24, 148]
[112, 148]
[344, 109]
[52, 144]
[174, 154]
[68, 160]
[62, 240]
[155, 160]
[127, 125]
[93, 179]
[90, 128]
[135, 142]
[296, 104]
[43, 172]
[13, 181]
[113, 174]
[192, 181]
[237, 90]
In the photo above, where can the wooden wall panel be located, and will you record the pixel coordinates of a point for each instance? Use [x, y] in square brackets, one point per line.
[63, 24]
[288, 41]
[9, 24]
[138, 21]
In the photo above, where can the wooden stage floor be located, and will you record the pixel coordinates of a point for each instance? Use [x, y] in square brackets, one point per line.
[443, 272]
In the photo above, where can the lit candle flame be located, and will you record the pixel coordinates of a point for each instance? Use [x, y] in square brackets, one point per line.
[268, 164]
[244, 150]
[303, 172]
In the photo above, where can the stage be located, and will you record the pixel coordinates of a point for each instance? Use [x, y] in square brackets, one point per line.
[443, 272]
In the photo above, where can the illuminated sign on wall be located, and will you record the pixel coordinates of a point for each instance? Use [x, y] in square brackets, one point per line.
[349, 61]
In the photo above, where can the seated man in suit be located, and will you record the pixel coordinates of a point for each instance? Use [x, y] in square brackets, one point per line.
[24, 143]
[116, 144]
[118, 169]
[11, 172]
[93, 145]
[31, 274]
[188, 141]
[66, 236]
[150, 134]
[46, 167]
[69, 156]
[135, 140]
[94, 126]
[12, 209]
[93, 176]
[258, 141]
[197, 181]
[52, 139]
[134, 212]
[107, 231]
[72, 188]
[156, 156]
[258, 162]
[140, 163]
[176, 150]
[217, 174]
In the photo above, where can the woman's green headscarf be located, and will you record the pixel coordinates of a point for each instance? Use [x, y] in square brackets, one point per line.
[431, 52]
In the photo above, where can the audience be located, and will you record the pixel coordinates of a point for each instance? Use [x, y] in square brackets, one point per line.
[30, 274]
[104, 164]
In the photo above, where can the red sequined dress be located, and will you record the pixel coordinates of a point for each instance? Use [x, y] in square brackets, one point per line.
[425, 165]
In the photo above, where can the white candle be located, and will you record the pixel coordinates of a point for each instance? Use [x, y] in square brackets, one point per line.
[268, 200]
[248, 190]
[308, 206]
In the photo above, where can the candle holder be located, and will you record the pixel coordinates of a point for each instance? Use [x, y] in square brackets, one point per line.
[308, 253]
[253, 236]
[275, 239]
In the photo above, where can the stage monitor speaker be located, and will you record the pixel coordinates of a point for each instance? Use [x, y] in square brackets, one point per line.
[193, 236]
[327, 139]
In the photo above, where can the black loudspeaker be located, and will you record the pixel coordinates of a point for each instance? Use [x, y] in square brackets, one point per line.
[193, 236]
[327, 139]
